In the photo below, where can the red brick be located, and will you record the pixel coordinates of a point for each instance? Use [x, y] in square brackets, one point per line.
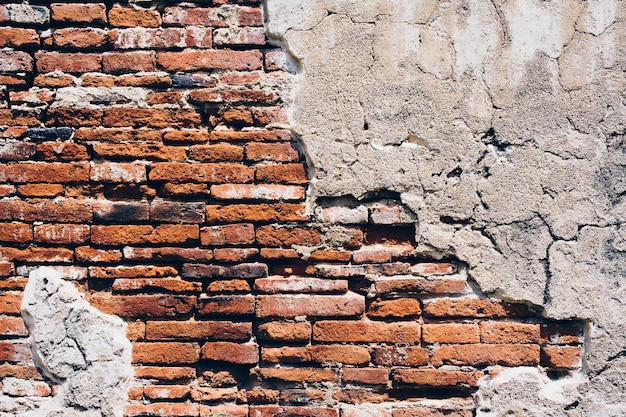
[473, 307]
[267, 192]
[241, 271]
[17, 151]
[366, 331]
[284, 331]
[195, 330]
[216, 153]
[229, 116]
[6, 190]
[120, 211]
[229, 286]
[505, 332]
[280, 152]
[133, 235]
[148, 151]
[184, 16]
[169, 373]
[420, 286]
[429, 269]
[451, 333]
[170, 353]
[127, 17]
[6, 269]
[210, 173]
[118, 172]
[436, 377]
[330, 255]
[368, 376]
[62, 151]
[239, 36]
[242, 354]
[44, 172]
[89, 254]
[10, 303]
[398, 308]
[142, 271]
[122, 62]
[230, 234]
[164, 97]
[187, 136]
[17, 37]
[339, 271]
[224, 411]
[159, 118]
[300, 375]
[259, 213]
[349, 304]
[430, 412]
[19, 371]
[33, 254]
[233, 96]
[168, 254]
[170, 285]
[400, 356]
[257, 135]
[291, 411]
[78, 12]
[277, 284]
[249, 16]
[273, 253]
[118, 135]
[58, 210]
[143, 305]
[185, 409]
[211, 60]
[53, 81]
[210, 394]
[67, 62]
[562, 357]
[174, 212]
[234, 254]
[344, 354]
[226, 305]
[15, 61]
[136, 330]
[485, 355]
[283, 236]
[62, 233]
[74, 117]
[561, 333]
[162, 38]
[79, 38]
[15, 232]
[160, 392]
[9, 117]
[14, 352]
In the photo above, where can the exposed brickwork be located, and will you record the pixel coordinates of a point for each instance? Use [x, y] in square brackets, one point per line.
[143, 152]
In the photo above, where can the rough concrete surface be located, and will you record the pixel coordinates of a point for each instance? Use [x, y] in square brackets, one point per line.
[501, 124]
[76, 346]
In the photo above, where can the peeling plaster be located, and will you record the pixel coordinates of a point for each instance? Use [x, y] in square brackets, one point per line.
[501, 124]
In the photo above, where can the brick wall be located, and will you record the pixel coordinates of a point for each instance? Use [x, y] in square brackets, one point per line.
[144, 154]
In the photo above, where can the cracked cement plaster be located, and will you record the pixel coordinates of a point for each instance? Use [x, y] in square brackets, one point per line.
[77, 347]
[501, 124]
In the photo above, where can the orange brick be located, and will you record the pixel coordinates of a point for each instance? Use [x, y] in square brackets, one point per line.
[400, 356]
[300, 375]
[19, 371]
[562, 357]
[14, 352]
[273, 253]
[6, 269]
[473, 307]
[216, 153]
[162, 409]
[366, 331]
[282, 174]
[280, 152]
[74, 117]
[127, 17]
[368, 376]
[187, 136]
[436, 377]
[291, 411]
[170, 373]
[170, 285]
[122, 62]
[430, 412]
[62, 151]
[155, 118]
[10, 303]
[53, 81]
[170, 353]
[6, 190]
[234, 254]
[132, 235]
[16, 232]
[226, 305]
[136, 330]
[44, 172]
[16, 37]
[398, 307]
[164, 392]
[242, 354]
[267, 192]
[224, 410]
[231, 234]
[284, 236]
[78, 12]
[330, 255]
[506, 332]
[210, 394]
[192, 330]
[34, 254]
[62, 233]
[79, 38]
[349, 304]
[344, 354]
[143, 305]
[285, 331]
[211, 60]
[258, 135]
[451, 333]
[257, 212]
[10, 117]
[211, 173]
[76, 62]
[89, 254]
[229, 286]
[485, 355]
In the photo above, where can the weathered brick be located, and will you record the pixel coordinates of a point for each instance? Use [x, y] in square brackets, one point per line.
[53, 80]
[562, 357]
[436, 377]
[159, 392]
[170, 353]
[277, 284]
[44, 172]
[122, 62]
[274, 253]
[242, 354]
[298, 375]
[120, 211]
[249, 16]
[200, 16]
[283, 236]
[148, 271]
[216, 153]
[210, 394]
[19, 371]
[10, 303]
[6, 269]
[14, 352]
[34, 254]
[15, 232]
[159, 118]
[431, 412]
[239, 36]
[234, 254]
[506, 332]
[452, 333]
[143, 305]
[400, 356]
[330, 255]
[6, 190]
[349, 304]
[429, 269]
[170, 285]
[15, 61]
[210, 173]
[291, 411]
[62, 151]
[195, 330]
[162, 38]
[74, 117]
[257, 135]
[398, 308]
[226, 305]
[128, 17]
[259, 213]
[170, 373]
[487, 354]
[63, 210]
[233, 97]
[210, 60]
[416, 285]
[473, 307]
[89, 254]
[148, 151]
[78, 12]
[133, 235]
[368, 376]
[118, 172]
[337, 271]
[344, 354]
[75, 62]
[62, 233]
[224, 410]
[229, 286]
[173, 409]
[561, 333]
[17, 37]
[230, 234]
[366, 331]
[186, 136]
[79, 38]
[267, 192]
[16, 387]
[242, 271]
[284, 331]
[173, 212]
[168, 254]
[12, 117]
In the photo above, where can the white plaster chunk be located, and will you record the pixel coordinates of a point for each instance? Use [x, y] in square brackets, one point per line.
[83, 350]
